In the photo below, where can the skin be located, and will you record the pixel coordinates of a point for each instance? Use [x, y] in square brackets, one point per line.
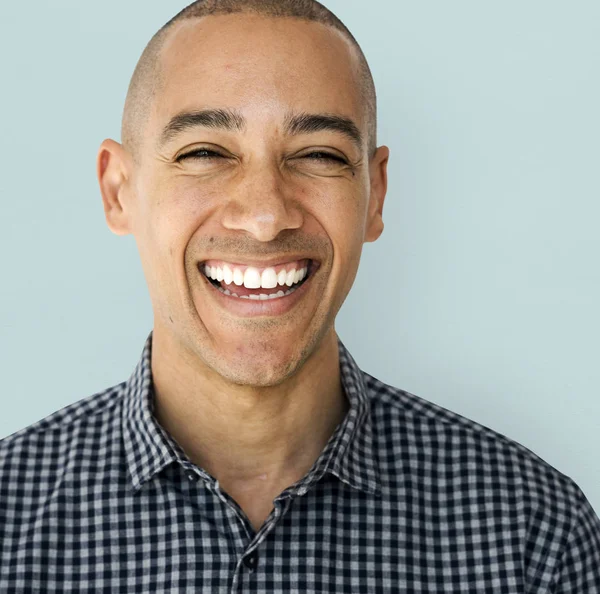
[252, 400]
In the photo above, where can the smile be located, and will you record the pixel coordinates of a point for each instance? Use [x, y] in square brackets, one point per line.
[257, 283]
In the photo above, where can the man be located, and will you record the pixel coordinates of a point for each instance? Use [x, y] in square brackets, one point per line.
[247, 452]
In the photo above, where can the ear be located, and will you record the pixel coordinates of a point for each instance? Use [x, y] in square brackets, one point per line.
[113, 168]
[378, 176]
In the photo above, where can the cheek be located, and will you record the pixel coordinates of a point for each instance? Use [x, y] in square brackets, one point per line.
[341, 215]
[337, 206]
[177, 214]
[345, 223]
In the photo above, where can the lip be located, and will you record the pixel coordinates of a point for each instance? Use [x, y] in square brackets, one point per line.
[267, 308]
[270, 263]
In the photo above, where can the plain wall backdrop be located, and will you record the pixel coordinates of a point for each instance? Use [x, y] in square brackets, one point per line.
[482, 294]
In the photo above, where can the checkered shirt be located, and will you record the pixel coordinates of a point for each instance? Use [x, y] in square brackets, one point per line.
[405, 497]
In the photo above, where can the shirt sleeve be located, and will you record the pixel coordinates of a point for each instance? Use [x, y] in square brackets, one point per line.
[579, 569]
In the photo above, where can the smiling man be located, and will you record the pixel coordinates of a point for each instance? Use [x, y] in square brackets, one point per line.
[248, 452]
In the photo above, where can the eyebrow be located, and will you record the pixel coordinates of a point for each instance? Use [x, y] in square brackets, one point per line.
[230, 119]
[224, 119]
[305, 123]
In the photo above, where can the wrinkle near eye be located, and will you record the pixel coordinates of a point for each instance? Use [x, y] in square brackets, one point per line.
[163, 158]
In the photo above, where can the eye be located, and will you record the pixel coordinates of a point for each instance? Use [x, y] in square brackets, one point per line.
[324, 156]
[203, 154]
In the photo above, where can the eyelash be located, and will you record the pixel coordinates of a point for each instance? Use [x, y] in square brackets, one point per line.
[212, 154]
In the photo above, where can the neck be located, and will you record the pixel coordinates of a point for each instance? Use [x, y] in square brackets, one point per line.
[245, 436]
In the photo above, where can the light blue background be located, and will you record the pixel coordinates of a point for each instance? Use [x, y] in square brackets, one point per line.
[482, 294]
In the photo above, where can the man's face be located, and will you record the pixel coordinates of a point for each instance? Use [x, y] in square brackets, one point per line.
[254, 193]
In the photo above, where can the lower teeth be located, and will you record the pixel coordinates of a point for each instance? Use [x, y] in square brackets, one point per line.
[261, 296]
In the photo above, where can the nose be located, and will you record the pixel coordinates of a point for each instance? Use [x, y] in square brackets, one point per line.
[261, 204]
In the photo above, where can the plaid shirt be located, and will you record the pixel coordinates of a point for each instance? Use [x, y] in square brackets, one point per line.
[406, 497]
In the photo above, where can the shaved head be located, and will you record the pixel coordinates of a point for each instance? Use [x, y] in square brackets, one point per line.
[248, 144]
[148, 80]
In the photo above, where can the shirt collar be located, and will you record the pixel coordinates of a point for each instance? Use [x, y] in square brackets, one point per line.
[349, 454]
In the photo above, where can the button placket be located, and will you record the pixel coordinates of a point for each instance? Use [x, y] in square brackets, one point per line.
[251, 561]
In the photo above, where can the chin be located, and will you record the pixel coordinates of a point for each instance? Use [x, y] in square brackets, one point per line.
[260, 355]
[261, 363]
[258, 372]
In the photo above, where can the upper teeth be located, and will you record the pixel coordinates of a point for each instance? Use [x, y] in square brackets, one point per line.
[253, 278]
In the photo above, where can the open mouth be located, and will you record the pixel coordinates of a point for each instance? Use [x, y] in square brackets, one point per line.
[249, 282]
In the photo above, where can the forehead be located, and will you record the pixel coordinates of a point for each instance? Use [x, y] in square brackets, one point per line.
[261, 66]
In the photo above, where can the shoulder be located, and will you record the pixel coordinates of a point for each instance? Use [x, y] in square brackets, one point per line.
[461, 449]
[50, 466]
[439, 464]
[59, 431]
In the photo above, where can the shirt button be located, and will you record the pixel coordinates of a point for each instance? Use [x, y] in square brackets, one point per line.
[251, 561]
[192, 476]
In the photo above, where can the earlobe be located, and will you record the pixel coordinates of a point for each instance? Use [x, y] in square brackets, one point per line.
[374, 230]
[112, 172]
[378, 177]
